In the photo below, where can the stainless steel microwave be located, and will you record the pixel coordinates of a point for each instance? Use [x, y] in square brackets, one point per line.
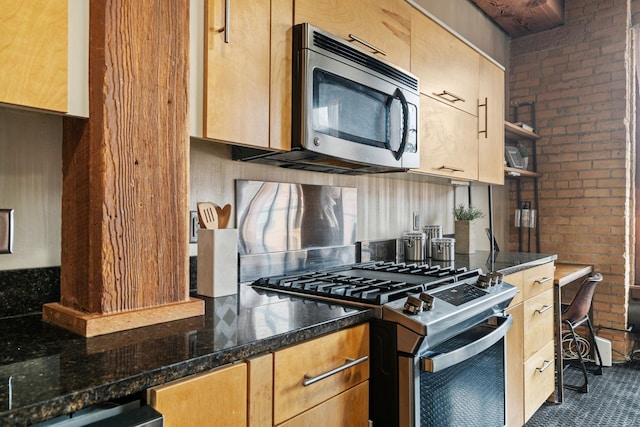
[351, 112]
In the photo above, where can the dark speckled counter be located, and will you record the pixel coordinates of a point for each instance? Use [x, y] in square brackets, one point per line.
[46, 371]
[504, 262]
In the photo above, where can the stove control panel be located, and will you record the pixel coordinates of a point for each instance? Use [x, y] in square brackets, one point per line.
[413, 305]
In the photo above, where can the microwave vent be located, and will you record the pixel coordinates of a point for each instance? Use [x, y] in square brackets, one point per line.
[347, 52]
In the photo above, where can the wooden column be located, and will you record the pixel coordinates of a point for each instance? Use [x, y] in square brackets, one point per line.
[125, 259]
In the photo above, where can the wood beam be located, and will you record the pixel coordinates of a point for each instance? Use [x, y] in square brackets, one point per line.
[126, 173]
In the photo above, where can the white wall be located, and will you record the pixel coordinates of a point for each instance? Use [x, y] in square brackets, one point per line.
[31, 184]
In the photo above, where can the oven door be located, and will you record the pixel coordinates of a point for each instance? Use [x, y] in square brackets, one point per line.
[460, 381]
[357, 116]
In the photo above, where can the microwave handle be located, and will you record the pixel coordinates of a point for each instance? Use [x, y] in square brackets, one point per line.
[405, 131]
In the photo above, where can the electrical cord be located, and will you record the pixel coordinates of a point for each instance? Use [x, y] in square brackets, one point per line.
[569, 350]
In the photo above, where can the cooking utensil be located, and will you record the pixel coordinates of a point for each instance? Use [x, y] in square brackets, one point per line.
[224, 214]
[207, 215]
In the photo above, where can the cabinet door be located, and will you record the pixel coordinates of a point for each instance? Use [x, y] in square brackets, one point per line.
[539, 380]
[219, 395]
[293, 365]
[515, 368]
[33, 54]
[348, 409]
[491, 124]
[448, 141]
[538, 322]
[385, 24]
[237, 72]
[446, 66]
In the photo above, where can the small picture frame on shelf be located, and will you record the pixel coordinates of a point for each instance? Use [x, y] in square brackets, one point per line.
[514, 159]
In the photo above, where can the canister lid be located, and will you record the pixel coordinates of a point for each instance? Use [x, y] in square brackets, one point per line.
[414, 235]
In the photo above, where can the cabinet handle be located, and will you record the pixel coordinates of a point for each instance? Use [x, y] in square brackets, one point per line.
[543, 309]
[451, 168]
[445, 93]
[486, 118]
[227, 18]
[308, 379]
[355, 38]
[546, 365]
[543, 280]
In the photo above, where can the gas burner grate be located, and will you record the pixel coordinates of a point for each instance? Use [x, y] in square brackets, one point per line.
[331, 285]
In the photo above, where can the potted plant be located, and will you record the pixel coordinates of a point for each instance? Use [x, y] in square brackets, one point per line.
[464, 217]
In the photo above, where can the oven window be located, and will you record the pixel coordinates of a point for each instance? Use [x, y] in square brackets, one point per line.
[469, 393]
[348, 110]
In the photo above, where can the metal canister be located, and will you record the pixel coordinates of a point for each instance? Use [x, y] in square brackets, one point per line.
[443, 249]
[432, 232]
[414, 245]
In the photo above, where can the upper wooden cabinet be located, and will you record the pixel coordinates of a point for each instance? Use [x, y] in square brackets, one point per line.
[448, 141]
[491, 119]
[383, 25]
[462, 109]
[447, 67]
[237, 64]
[43, 55]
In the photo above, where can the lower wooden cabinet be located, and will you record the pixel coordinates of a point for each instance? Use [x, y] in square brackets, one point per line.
[219, 395]
[530, 343]
[321, 382]
[296, 368]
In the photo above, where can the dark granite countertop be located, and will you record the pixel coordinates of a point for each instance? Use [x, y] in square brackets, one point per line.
[504, 262]
[46, 371]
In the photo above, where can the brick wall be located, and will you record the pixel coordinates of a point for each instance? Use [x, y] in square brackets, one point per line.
[577, 76]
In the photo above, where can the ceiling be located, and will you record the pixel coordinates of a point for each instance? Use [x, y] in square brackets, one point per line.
[523, 17]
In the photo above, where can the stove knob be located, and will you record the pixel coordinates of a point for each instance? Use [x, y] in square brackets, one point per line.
[428, 301]
[413, 305]
[484, 281]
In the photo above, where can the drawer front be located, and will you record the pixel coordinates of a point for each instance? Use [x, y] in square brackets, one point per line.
[537, 279]
[538, 322]
[516, 279]
[539, 381]
[348, 409]
[294, 364]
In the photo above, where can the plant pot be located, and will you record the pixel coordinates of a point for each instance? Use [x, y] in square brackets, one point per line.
[465, 237]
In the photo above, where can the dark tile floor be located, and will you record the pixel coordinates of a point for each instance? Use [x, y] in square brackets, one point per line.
[613, 400]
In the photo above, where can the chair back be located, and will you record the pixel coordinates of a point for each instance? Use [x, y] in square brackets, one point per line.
[581, 303]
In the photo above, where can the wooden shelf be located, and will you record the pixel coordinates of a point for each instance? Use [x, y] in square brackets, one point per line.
[517, 173]
[512, 131]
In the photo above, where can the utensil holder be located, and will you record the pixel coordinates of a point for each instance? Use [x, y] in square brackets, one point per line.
[217, 262]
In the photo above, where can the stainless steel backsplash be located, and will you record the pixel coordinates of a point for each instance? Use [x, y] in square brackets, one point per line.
[286, 227]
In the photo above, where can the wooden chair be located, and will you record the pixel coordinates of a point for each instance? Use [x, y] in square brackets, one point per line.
[576, 314]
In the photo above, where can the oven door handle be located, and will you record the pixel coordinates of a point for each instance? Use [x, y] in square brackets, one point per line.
[445, 360]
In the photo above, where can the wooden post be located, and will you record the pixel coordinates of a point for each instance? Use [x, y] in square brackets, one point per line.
[126, 173]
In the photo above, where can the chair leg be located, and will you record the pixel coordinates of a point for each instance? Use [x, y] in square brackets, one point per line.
[583, 388]
[598, 368]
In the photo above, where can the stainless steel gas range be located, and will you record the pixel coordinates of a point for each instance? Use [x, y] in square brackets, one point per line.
[438, 340]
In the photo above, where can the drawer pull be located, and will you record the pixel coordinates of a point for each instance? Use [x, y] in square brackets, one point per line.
[546, 365]
[543, 309]
[450, 168]
[448, 96]
[308, 379]
[543, 280]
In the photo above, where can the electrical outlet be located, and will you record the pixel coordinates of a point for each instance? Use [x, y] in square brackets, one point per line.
[6, 231]
[194, 226]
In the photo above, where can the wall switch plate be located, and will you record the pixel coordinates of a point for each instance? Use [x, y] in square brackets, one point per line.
[416, 221]
[6, 231]
[194, 226]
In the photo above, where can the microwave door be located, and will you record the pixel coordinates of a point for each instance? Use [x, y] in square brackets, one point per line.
[348, 115]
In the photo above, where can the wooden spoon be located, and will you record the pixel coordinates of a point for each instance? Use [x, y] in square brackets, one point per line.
[207, 215]
[223, 215]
